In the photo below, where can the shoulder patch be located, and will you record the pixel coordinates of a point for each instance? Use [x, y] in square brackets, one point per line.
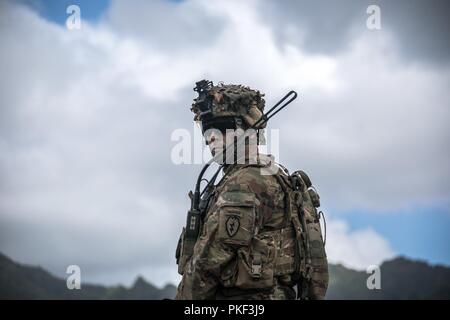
[236, 217]
[232, 225]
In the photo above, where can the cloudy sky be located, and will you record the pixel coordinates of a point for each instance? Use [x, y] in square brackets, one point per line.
[86, 118]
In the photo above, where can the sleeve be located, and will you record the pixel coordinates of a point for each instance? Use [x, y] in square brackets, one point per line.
[229, 225]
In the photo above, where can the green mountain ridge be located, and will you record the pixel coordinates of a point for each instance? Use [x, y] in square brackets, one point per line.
[19, 281]
[401, 278]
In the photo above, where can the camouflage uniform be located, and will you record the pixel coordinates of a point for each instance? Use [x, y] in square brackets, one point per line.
[260, 238]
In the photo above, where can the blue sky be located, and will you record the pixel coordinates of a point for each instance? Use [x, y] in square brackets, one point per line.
[374, 147]
[55, 10]
[422, 233]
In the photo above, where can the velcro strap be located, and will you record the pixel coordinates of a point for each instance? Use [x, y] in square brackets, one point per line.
[256, 265]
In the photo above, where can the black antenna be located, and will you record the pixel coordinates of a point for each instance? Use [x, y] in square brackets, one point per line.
[269, 114]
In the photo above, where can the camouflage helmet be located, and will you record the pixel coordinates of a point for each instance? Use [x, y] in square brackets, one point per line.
[227, 101]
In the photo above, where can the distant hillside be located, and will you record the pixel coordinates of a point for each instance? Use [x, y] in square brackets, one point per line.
[25, 282]
[401, 278]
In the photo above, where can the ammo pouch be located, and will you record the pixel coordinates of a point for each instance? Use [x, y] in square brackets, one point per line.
[270, 255]
[255, 264]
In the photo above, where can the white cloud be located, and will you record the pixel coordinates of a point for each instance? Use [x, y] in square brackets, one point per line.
[377, 143]
[357, 249]
[86, 118]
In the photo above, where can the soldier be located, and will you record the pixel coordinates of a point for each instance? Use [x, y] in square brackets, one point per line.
[256, 234]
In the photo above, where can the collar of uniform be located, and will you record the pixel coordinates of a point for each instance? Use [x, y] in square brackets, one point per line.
[262, 160]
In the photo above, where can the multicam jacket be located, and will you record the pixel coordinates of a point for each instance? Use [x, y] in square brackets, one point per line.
[252, 245]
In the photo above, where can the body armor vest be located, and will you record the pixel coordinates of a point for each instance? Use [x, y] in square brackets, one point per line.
[286, 250]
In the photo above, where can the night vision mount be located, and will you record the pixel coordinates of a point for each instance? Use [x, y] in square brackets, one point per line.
[203, 101]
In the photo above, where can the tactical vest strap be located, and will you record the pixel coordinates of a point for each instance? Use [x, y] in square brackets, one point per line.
[293, 201]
